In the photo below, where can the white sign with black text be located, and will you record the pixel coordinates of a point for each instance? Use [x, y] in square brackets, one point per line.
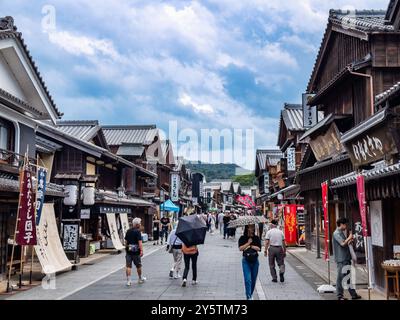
[175, 182]
[291, 159]
[375, 209]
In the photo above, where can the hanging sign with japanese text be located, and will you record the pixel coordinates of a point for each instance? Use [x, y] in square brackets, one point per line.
[26, 226]
[309, 112]
[290, 217]
[291, 159]
[175, 185]
[266, 182]
[362, 203]
[70, 236]
[41, 191]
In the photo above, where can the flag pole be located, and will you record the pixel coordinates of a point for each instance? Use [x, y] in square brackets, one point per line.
[21, 177]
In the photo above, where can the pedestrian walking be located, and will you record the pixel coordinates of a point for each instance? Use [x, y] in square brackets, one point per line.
[342, 254]
[190, 254]
[220, 219]
[226, 220]
[250, 245]
[156, 230]
[165, 227]
[134, 251]
[275, 249]
[232, 231]
[175, 247]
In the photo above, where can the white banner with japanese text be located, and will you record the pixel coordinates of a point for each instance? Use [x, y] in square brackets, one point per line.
[112, 226]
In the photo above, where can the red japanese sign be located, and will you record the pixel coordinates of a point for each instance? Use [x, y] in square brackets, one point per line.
[362, 203]
[26, 227]
[246, 200]
[290, 216]
[324, 187]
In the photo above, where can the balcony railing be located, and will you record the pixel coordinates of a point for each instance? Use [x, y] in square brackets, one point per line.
[12, 162]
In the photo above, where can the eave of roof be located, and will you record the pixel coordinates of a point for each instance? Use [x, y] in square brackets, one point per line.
[9, 30]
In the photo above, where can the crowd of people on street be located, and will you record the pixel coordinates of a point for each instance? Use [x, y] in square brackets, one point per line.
[249, 243]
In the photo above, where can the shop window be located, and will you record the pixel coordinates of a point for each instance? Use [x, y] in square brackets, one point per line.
[6, 138]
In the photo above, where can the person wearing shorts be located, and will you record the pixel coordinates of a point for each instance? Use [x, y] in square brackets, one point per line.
[134, 251]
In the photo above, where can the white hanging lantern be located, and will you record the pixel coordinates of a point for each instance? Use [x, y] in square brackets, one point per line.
[88, 196]
[72, 197]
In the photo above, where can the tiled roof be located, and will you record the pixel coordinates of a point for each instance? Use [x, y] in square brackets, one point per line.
[268, 156]
[362, 20]
[292, 116]
[225, 184]
[130, 149]
[236, 187]
[7, 31]
[380, 171]
[391, 92]
[116, 135]
[84, 130]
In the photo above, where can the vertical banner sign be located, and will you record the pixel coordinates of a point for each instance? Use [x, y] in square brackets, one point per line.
[70, 237]
[266, 182]
[175, 186]
[26, 227]
[309, 112]
[41, 191]
[291, 159]
[290, 217]
[324, 186]
[362, 203]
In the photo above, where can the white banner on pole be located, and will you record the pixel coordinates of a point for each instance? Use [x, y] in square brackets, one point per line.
[112, 225]
[124, 223]
[375, 211]
[175, 185]
[49, 249]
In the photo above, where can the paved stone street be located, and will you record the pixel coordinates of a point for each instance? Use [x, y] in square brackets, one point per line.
[219, 274]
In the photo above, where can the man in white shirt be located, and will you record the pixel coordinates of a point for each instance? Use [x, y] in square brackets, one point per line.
[275, 249]
[221, 223]
[176, 244]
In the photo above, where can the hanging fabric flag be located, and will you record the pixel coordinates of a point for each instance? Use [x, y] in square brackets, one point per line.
[362, 203]
[26, 227]
[324, 187]
[41, 191]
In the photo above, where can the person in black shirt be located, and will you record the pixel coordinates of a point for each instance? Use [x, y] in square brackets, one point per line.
[165, 226]
[156, 230]
[134, 251]
[250, 245]
[226, 220]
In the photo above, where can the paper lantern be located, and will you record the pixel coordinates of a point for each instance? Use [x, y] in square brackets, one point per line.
[72, 197]
[88, 196]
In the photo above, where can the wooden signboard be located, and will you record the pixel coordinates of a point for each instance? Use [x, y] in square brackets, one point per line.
[327, 145]
[371, 146]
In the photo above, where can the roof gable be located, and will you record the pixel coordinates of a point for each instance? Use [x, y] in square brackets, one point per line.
[23, 73]
[117, 135]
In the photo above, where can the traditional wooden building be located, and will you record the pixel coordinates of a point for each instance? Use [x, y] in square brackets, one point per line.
[357, 60]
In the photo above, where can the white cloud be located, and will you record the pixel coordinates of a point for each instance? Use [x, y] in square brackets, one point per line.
[187, 101]
[274, 53]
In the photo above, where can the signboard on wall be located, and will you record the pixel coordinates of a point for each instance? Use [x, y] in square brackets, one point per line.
[175, 185]
[375, 210]
[371, 146]
[266, 182]
[327, 145]
[309, 112]
[70, 236]
[291, 159]
[85, 214]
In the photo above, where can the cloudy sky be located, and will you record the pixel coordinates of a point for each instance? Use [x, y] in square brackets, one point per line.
[224, 64]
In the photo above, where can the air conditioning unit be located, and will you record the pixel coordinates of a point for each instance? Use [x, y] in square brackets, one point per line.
[72, 198]
[88, 196]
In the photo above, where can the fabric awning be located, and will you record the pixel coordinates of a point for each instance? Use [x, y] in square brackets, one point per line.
[169, 206]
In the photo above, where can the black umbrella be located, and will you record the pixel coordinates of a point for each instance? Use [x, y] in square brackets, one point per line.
[191, 230]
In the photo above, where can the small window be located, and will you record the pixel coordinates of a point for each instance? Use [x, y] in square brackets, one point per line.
[5, 135]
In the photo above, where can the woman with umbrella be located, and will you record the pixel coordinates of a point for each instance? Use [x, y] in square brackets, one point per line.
[192, 231]
[250, 245]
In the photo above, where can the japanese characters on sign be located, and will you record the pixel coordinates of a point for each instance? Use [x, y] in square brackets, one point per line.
[290, 217]
[324, 187]
[71, 237]
[175, 182]
[309, 113]
[291, 159]
[26, 226]
[327, 145]
[41, 191]
[371, 146]
[266, 182]
[362, 203]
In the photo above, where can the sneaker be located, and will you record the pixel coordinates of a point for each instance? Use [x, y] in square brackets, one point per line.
[177, 276]
[281, 277]
[195, 282]
[128, 283]
[171, 274]
[142, 280]
[342, 298]
[356, 297]
[274, 280]
[184, 283]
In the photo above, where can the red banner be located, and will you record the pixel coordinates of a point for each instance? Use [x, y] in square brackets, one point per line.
[362, 203]
[247, 201]
[324, 187]
[26, 227]
[290, 216]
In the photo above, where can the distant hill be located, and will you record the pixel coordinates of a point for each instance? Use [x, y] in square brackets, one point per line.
[218, 170]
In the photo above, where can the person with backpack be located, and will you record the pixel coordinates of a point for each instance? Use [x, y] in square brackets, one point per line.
[250, 245]
[134, 251]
